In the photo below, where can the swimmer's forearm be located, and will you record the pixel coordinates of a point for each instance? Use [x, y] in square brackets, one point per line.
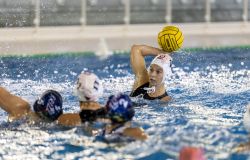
[138, 64]
[145, 50]
[69, 119]
[15, 106]
[136, 133]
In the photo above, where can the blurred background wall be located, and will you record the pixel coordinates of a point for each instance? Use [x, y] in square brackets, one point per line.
[47, 26]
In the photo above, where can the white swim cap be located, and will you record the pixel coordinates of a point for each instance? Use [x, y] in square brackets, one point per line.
[88, 87]
[165, 62]
[246, 119]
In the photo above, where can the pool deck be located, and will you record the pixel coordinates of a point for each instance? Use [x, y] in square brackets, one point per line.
[19, 41]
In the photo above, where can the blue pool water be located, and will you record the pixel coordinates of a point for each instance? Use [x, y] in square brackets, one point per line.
[210, 90]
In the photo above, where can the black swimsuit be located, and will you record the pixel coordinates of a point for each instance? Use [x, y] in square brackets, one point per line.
[140, 90]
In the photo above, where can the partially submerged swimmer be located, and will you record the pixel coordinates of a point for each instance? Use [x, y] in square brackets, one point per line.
[117, 115]
[88, 89]
[120, 111]
[47, 108]
[150, 83]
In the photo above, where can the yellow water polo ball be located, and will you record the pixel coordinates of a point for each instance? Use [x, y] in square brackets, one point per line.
[170, 38]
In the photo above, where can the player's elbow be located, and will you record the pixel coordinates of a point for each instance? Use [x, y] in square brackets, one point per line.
[135, 48]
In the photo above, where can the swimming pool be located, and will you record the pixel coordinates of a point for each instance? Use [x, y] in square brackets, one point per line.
[210, 90]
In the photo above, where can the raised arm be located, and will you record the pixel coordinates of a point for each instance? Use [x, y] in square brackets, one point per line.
[137, 54]
[15, 106]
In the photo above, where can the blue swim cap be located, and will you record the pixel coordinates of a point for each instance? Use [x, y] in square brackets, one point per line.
[119, 108]
[49, 105]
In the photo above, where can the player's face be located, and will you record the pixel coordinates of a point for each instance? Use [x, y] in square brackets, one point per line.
[155, 75]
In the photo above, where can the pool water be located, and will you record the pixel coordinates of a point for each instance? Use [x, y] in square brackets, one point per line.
[210, 90]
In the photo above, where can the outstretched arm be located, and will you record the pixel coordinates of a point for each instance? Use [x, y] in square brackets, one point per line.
[136, 133]
[137, 54]
[15, 106]
[69, 119]
[74, 119]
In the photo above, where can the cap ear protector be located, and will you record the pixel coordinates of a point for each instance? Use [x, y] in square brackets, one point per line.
[119, 108]
[49, 105]
[88, 87]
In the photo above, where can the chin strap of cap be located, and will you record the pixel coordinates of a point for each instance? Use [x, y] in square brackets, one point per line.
[150, 89]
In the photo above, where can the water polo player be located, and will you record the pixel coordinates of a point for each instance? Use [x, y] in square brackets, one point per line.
[120, 111]
[48, 107]
[88, 89]
[150, 82]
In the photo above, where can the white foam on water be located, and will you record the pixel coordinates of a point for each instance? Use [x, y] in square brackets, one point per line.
[222, 81]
